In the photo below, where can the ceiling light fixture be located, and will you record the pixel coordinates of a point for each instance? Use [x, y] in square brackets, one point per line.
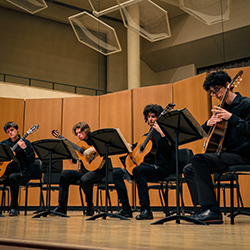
[32, 6]
[142, 16]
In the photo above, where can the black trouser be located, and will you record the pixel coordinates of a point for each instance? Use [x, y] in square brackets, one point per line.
[14, 181]
[198, 175]
[87, 181]
[142, 174]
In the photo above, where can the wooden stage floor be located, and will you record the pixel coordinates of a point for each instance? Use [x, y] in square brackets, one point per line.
[52, 232]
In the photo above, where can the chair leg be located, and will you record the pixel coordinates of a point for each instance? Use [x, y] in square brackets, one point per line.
[41, 202]
[239, 198]
[97, 200]
[224, 201]
[161, 194]
[26, 201]
[83, 207]
[166, 209]
[232, 198]
[109, 200]
[3, 201]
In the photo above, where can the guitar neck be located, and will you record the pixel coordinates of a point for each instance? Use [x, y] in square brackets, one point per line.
[76, 147]
[16, 145]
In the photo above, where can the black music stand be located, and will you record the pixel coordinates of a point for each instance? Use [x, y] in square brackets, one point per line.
[180, 127]
[107, 142]
[49, 150]
[6, 154]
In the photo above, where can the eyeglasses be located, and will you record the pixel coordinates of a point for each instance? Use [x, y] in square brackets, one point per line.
[215, 91]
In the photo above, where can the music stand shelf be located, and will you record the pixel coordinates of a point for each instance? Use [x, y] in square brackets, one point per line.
[109, 141]
[180, 127]
[49, 150]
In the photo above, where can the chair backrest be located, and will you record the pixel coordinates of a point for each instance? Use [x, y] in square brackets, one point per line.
[224, 177]
[36, 170]
[185, 156]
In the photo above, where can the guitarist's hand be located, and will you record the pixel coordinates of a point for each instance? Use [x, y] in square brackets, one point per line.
[21, 144]
[219, 115]
[157, 128]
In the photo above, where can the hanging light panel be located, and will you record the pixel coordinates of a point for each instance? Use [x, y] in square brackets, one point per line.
[32, 6]
[94, 33]
[208, 11]
[145, 18]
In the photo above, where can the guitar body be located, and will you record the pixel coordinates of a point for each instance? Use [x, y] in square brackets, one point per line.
[6, 169]
[91, 162]
[137, 156]
[215, 139]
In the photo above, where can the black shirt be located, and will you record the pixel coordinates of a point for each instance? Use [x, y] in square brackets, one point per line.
[237, 138]
[25, 156]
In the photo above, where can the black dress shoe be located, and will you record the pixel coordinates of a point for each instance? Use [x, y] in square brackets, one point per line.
[90, 211]
[210, 217]
[13, 212]
[60, 209]
[145, 215]
[124, 213]
[196, 213]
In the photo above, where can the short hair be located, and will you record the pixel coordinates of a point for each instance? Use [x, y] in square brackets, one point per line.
[83, 126]
[219, 78]
[10, 125]
[154, 108]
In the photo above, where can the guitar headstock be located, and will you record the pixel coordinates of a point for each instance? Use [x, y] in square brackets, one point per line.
[55, 133]
[236, 80]
[32, 129]
[169, 107]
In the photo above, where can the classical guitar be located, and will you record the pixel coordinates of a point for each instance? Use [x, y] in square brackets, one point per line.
[6, 167]
[216, 134]
[91, 161]
[146, 148]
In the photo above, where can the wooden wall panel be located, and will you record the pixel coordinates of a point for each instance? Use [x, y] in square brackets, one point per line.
[48, 114]
[11, 110]
[75, 110]
[116, 112]
[161, 95]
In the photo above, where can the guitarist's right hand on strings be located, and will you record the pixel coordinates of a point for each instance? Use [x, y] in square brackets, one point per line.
[219, 114]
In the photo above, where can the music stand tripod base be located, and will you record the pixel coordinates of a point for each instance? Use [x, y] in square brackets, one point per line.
[105, 215]
[177, 218]
[47, 212]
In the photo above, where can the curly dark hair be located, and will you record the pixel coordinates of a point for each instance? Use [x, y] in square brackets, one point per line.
[154, 108]
[10, 125]
[219, 78]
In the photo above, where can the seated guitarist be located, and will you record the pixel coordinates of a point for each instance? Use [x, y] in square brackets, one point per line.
[87, 178]
[236, 147]
[156, 169]
[17, 172]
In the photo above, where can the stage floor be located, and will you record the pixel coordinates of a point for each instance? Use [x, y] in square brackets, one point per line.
[54, 232]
